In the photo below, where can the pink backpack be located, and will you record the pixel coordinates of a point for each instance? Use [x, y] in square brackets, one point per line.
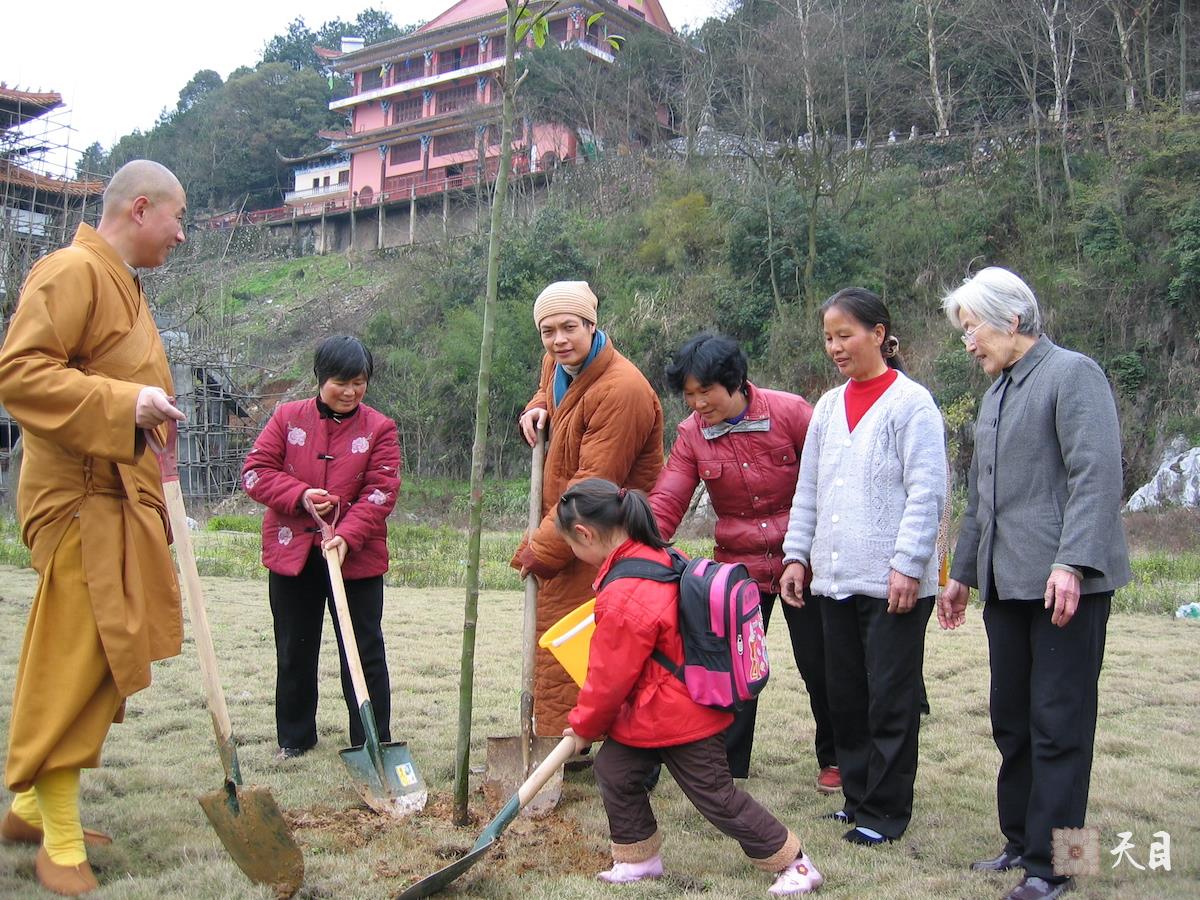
[720, 620]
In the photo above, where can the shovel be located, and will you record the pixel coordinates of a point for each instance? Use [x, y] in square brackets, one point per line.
[510, 759]
[383, 774]
[246, 819]
[551, 765]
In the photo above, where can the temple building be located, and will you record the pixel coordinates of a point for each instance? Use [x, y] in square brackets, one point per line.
[423, 115]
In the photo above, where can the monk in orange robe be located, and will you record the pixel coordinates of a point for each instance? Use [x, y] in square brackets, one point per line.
[83, 371]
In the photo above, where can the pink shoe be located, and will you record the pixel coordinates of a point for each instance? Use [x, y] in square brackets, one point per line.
[624, 873]
[801, 877]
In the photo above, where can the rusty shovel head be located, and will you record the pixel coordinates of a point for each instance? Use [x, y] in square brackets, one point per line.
[253, 830]
[506, 772]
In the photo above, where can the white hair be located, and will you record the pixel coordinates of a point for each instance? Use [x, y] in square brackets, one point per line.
[995, 295]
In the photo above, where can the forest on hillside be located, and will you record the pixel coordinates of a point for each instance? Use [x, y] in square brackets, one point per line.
[818, 76]
[1051, 136]
[674, 246]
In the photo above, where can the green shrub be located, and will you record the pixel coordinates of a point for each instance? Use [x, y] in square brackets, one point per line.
[1128, 371]
[248, 524]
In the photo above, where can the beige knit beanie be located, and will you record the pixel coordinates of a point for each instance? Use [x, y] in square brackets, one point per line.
[573, 297]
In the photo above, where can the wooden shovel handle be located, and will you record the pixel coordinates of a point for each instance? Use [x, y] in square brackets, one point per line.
[189, 581]
[553, 762]
[529, 621]
[349, 643]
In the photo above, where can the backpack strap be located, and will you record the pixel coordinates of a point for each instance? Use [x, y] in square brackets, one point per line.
[647, 569]
[651, 571]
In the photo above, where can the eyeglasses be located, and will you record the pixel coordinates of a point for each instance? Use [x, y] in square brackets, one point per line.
[968, 335]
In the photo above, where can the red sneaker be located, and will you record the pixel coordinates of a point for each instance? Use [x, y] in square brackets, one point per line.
[830, 780]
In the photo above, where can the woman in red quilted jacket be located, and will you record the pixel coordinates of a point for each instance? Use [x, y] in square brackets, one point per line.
[744, 443]
[345, 457]
[646, 712]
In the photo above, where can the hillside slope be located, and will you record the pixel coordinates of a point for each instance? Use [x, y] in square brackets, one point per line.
[673, 249]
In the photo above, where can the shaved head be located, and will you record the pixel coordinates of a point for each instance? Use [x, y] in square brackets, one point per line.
[144, 208]
[140, 178]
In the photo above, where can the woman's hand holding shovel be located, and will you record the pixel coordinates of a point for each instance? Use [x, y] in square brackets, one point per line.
[321, 500]
[338, 543]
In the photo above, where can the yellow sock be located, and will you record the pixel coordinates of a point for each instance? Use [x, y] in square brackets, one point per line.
[58, 800]
[25, 807]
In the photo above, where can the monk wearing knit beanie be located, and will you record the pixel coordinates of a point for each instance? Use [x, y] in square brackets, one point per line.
[573, 297]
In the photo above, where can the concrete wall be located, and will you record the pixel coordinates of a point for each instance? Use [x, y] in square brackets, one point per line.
[463, 215]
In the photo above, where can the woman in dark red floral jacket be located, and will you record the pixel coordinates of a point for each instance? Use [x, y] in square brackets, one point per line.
[744, 443]
[345, 457]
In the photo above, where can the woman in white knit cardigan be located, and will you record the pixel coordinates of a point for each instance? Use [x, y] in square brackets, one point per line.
[863, 527]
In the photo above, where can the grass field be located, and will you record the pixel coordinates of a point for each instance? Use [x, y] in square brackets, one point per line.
[1145, 779]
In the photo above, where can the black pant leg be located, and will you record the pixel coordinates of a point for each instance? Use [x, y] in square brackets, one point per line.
[847, 688]
[298, 610]
[894, 647]
[364, 597]
[1008, 625]
[808, 649]
[1063, 695]
[739, 736]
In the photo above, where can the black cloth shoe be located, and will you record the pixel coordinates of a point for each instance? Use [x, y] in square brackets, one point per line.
[1034, 888]
[838, 816]
[1002, 863]
[860, 837]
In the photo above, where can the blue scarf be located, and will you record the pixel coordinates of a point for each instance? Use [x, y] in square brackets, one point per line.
[563, 380]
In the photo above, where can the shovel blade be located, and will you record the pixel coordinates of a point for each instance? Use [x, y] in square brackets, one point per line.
[254, 832]
[431, 884]
[505, 773]
[398, 790]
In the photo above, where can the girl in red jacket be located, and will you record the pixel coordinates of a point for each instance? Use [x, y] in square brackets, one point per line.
[646, 711]
[345, 457]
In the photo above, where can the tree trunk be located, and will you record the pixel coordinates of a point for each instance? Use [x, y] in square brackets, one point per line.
[1125, 45]
[466, 682]
[1147, 65]
[1183, 47]
[845, 75]
[1037, 155]
[935, 87]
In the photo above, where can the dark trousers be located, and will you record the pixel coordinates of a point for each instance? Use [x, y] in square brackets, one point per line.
[298, 606]
[808, 649]
[873, 662]
[1043, 704]
[702, 773]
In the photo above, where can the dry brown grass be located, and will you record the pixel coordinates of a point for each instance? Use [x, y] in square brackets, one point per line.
[1170, 531]
[1146, 774]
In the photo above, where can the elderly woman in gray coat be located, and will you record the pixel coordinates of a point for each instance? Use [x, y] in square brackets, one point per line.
[1042, 541]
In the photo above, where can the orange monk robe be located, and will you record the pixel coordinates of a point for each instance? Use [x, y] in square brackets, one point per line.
[79, 349]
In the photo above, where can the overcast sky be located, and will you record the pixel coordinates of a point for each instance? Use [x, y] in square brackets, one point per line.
[119, 64]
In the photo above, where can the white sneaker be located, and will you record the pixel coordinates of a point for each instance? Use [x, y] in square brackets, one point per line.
[624, 873]
[801, 877]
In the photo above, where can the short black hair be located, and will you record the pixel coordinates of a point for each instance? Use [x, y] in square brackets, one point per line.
[710, 359]
[343, 357]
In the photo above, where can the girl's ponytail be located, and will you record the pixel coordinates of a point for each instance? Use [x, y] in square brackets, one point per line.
[600, 504]
[638, 518]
